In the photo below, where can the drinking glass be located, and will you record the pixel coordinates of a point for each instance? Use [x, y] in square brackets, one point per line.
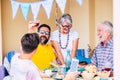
[107, 66]
[36, 21]
[61, 70]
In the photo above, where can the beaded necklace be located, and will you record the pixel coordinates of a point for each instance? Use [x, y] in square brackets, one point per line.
[66, 42]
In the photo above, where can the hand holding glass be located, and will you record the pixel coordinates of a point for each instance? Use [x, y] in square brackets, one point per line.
[107, 66]
[36, 22]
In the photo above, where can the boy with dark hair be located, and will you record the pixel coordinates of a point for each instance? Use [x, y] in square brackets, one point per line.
[22, 68]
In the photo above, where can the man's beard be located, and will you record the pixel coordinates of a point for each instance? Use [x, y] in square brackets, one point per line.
[43, 40]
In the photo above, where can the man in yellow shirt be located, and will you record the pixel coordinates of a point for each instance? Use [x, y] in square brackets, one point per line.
[44, 53]
[43, 56]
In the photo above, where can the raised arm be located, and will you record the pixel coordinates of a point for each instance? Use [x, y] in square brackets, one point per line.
[32, 25]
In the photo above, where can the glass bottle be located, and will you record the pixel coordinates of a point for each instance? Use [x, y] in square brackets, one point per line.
[68, 60]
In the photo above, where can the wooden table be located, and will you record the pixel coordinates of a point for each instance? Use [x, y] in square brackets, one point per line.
[48, 79]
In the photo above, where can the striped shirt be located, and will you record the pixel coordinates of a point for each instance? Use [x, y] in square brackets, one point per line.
[103, 55]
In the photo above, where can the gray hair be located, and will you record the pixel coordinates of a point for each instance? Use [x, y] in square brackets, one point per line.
[66, 18]
[108, 26]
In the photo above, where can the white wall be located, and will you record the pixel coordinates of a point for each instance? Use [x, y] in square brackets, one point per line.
[116, 29]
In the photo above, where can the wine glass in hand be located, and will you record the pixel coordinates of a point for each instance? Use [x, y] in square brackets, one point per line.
[107, 66]
[32, 25]
[36, 22]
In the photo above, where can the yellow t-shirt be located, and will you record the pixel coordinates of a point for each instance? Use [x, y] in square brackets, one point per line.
[43, 56]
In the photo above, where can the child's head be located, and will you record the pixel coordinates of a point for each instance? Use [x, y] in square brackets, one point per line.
[29, 42]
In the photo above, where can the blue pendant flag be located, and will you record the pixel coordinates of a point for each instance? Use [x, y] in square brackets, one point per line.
[25, 9]
[15, 6]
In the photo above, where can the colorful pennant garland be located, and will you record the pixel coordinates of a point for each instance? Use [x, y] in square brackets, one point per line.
[35, 7]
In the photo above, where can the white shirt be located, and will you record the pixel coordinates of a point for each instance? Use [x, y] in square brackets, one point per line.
[72, 36]
[23, 69]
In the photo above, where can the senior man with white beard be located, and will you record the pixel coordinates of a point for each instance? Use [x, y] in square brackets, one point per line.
[103, 55]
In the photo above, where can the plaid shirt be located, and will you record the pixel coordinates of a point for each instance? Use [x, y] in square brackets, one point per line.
[102, 55]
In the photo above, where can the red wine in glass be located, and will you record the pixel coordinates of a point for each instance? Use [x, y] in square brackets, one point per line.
[37, 23]
[107, 69]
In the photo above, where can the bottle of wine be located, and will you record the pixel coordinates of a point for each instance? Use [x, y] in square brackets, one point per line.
[68, 60]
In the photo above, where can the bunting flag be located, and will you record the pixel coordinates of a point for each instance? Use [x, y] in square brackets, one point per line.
[80, 2]
[15, 6]
[47, 5]
[35, 7]
[61, 4]
[25, 9]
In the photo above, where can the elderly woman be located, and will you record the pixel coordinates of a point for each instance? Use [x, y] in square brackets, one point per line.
[65, 38]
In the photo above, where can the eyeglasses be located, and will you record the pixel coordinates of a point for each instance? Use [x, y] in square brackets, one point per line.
[44, 32]
[66, 26]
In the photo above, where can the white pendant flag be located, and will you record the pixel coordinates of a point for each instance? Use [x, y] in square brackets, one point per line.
[61, 4]
[15, 6]
[47, 5]
[25, 9]
[80, 2]
[35, 7]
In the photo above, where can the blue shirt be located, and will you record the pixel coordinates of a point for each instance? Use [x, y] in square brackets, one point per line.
[103, 55]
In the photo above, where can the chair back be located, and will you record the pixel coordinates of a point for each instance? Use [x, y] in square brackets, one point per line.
[82, 56]
[3, 72]
[7, 60]
[10, 55]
